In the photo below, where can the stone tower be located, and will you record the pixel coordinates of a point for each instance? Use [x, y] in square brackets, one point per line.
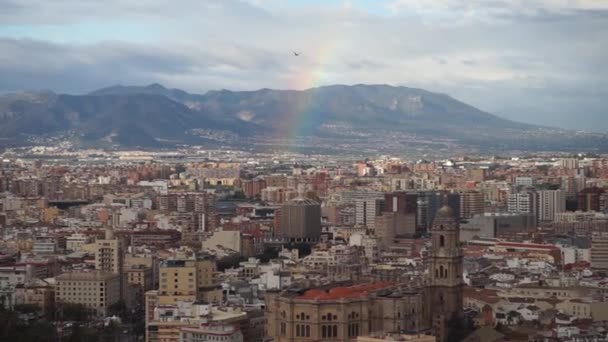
[445, 273]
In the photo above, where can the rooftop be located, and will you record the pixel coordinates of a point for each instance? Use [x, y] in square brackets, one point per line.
[86, 276]
[344, 292]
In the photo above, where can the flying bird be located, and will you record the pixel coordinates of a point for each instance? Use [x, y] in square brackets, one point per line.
[296, 53]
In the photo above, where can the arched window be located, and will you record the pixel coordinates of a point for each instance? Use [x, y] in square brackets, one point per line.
[441, 271]
[436, 273]
[324, 331]
[334, 331]
[441, 240]
[308, 331]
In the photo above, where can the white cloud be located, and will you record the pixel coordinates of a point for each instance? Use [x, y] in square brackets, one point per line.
[490, 53]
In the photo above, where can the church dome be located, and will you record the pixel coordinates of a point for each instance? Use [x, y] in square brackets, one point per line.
[445, 211]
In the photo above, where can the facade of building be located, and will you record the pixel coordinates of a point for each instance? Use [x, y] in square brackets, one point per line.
[550, 202]
[599, 251]
[366, 211]
[301, 220]
[96, 290]
[523, 202]
[471, 203]
[588, 199]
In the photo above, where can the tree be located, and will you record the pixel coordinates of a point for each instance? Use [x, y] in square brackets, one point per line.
[459, 327]
[74, 312]
[26, 308]
[118, 309]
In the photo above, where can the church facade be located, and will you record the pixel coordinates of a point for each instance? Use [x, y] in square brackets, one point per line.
[341, 312]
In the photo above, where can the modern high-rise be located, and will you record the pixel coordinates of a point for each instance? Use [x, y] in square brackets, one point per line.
[366, 211]
[550, 202]
[301, 220]
[599, 251]
[523, 202]
[588, 199]
[471, 203]
[401, 202]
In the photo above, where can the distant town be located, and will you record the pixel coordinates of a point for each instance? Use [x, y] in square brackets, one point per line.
[197, 245]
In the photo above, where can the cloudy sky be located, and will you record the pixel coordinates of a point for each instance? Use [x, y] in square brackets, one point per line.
[538, 61]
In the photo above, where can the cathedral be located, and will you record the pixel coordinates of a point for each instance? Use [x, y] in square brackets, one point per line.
[343, 311]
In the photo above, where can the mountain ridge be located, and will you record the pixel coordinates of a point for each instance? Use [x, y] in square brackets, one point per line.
[337, 115]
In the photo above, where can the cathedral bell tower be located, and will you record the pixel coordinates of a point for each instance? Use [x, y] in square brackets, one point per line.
[445, 272]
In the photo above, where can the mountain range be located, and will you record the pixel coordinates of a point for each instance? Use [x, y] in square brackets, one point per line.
[383, 117]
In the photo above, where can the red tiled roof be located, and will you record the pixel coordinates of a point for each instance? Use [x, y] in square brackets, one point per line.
[343, 292]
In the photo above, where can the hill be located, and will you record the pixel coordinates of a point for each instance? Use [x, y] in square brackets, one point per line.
[337, 116]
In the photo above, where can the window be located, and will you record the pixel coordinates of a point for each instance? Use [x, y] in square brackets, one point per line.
[283, 329]
[329, 331]
[441, 241]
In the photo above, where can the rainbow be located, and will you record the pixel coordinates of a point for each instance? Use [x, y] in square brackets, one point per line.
[313, 74]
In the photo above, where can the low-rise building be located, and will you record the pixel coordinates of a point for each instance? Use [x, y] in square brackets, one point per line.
[96, 290]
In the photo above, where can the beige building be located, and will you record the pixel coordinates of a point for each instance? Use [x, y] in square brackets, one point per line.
[96, 290]
[108, 254]
[599, 251]
[542, 292]
[181, 280]
[585, 308]
[139, 280]
[40, 294]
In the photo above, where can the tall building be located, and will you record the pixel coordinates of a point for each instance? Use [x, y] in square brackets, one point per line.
[109, 256]
[523, 202]
[200, 203]
[589, 199]
[446, 283]
[550, 202]
[366, 211]
[604, 203]
[390, 225]
[301, 220]
[401, 202]
[471, 203]
[599, 251]
[109, 253]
